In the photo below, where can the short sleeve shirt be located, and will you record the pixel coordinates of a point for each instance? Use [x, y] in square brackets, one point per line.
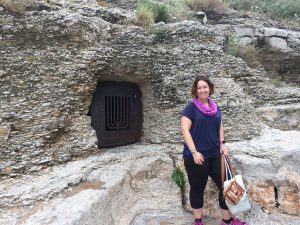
[205, 131]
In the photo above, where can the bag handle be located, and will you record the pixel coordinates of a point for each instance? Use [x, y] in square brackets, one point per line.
[229, 174]
[226, 167]
[230, 166]
[222, 170]
[227, 171]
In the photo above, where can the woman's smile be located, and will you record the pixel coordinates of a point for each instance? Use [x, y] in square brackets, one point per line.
[203, 90]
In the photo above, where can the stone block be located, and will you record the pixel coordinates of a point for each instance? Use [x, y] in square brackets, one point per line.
[289, 199]
[262, 192]
[278, 43]
[5, 131]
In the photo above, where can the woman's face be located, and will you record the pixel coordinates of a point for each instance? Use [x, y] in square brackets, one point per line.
[202, 90]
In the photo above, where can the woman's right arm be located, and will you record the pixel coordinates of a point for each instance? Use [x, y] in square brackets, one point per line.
[186, 125]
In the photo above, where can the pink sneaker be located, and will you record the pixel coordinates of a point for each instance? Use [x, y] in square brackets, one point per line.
[197, 223]
[234, 221]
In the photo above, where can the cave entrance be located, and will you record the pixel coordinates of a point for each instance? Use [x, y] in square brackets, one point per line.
[116, 113]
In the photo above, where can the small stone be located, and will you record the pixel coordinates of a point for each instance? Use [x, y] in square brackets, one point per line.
[5, 131]
[26, 203]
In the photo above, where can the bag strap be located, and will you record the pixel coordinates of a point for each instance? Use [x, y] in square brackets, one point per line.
[232, 170]
[222, 170]
[228, 172]
[226, 167]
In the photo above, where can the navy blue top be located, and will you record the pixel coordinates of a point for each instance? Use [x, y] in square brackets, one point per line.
[205, 131]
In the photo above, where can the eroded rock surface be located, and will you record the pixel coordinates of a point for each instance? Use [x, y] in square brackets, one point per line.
[111, 188]
[51, 60]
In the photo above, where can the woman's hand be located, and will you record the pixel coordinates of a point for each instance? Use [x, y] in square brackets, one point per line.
[224, 150]
[198, 158]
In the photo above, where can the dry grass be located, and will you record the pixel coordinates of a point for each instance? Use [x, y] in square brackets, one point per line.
[102, 3]
[16, 6]
[145, 16]
[276, 9]
[249, 53]
[179, 9]
[207, 5]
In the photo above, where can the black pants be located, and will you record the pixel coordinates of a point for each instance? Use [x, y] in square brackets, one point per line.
[198, 175]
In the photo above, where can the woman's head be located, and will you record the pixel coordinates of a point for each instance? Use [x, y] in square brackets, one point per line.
[202, 87]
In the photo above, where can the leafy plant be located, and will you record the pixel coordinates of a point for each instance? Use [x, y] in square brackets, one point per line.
[274, 8]
[178, 9]
[249, 53]
[159, 10]
[161, 13]
[177, 177]
[207, 5]
[233, 45]
[145, 15]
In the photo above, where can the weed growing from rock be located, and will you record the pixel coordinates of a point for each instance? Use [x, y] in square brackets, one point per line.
[207, 5]
[177, 177]
[158, 10]
[145, 15]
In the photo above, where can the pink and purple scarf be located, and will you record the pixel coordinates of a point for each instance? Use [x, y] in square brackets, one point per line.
[208, 111]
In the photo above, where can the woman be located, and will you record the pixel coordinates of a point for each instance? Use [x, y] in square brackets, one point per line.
[202, 130]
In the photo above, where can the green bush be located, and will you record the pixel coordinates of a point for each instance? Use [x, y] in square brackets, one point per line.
[161, 13]
[274, 8]
[145, 15]
[207, 5]
[289, 9]
[249, 53]
[177, 177]
[159, 10]
[178, 9]
[233, 45]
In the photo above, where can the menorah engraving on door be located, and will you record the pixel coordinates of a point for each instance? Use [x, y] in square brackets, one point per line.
[117, 113]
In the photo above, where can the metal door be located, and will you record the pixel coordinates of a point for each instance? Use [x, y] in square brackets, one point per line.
[116, 113]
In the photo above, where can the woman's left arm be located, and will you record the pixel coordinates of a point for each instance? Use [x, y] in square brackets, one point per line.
[223, 148]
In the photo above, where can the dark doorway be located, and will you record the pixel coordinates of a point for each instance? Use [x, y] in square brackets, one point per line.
[116, 113]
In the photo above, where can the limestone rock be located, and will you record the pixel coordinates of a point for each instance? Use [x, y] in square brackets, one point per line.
[281, 117]
[202, 16]
[270, 165]
[82, 49]
[5, 131]
[51, 60]
[111, 188]
[278, 49]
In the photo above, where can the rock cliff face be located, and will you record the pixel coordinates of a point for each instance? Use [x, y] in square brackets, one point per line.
[53, 56]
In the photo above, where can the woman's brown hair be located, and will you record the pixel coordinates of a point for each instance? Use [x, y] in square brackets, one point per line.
[194, 87]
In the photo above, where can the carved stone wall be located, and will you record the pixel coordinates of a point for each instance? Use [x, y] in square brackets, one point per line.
[53, 57]
[52, 61]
